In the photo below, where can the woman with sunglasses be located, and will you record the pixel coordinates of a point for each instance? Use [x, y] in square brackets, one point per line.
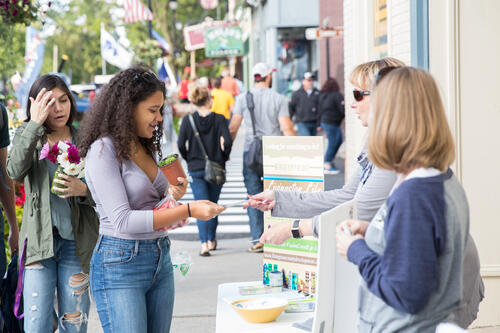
[131, 270]
[369, 185]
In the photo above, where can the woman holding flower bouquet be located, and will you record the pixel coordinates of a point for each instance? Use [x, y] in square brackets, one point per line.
[131, 270]
[60, 226]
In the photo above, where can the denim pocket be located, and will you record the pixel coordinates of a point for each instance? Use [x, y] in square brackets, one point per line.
[116, 256]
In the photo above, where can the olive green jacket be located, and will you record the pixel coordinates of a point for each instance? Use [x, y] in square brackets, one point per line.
[23, 163]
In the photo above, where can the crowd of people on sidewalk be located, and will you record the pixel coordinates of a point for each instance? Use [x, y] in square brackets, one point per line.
[418, 263]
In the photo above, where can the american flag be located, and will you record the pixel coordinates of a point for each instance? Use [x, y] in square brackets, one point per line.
[135, 11]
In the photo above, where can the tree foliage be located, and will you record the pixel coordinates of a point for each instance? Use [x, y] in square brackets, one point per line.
[78, 36]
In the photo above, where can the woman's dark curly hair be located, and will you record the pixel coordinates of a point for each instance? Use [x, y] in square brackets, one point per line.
[111, 112]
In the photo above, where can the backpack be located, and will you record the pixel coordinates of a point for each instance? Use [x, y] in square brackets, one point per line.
[253, 157]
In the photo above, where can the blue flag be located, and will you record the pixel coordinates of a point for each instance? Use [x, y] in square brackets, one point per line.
[163, 43]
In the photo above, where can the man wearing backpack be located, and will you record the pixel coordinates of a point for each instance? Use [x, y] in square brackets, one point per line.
[266, 113]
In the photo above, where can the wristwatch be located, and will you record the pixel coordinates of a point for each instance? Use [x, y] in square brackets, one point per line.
[295, 229]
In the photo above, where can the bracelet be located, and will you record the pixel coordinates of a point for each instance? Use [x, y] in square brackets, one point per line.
[189, 210]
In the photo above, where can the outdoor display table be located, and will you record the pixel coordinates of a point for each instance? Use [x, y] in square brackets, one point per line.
[228, 321]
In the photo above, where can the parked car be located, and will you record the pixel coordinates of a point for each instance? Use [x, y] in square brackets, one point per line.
[82, 94]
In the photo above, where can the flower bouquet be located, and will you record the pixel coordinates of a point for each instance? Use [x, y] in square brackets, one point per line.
[68, 161]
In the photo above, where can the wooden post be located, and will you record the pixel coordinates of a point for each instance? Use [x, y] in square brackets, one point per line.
[193, 64]
[55, 58]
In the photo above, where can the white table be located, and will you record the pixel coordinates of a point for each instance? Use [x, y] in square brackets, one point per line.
[228, 321]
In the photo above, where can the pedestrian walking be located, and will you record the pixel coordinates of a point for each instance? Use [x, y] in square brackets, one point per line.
[60, 230]
[331, 114]
[131, 270]
[222, 101]
[268, 115]
[215, 145]
[228, 83]
[411, 255]
[369, 185]
[183, 86]
[304, 106]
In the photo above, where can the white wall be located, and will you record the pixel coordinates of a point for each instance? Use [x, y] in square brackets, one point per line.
[464, 48]
[398, 30]
[358, 48]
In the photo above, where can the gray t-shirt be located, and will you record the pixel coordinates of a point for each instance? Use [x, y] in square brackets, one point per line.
[269, 106]
[123, 193]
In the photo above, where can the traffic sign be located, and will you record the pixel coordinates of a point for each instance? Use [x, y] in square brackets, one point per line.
[317, 33]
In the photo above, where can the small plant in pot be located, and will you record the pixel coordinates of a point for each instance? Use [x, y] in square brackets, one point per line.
[172, 168]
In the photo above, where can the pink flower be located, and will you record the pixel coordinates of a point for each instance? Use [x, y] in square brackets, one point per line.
[45, 151]
[73, 155]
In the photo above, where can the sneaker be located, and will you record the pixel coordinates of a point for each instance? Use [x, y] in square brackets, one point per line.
[204, 252]
[332, 171]
[257, 248]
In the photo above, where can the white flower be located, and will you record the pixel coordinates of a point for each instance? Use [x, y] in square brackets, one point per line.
[71, 169]
[62, 146]
[62, 158]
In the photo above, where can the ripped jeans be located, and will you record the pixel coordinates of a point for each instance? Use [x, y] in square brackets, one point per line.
[62, 271]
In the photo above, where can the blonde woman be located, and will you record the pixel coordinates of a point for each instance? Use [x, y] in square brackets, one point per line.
[411, 255]
[369, 185]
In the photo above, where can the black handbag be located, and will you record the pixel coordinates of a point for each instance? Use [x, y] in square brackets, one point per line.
[253, 157]
[10, 322]
[214, 172]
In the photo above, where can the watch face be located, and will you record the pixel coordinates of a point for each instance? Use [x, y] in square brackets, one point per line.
[295, 233]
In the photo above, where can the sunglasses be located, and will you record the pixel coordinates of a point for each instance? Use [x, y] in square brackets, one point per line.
[359, 95]
[383, 72]
[146, 76]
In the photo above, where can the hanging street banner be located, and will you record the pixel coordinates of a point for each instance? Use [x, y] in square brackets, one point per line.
[35, 49]
[292, 163]
[223, 42]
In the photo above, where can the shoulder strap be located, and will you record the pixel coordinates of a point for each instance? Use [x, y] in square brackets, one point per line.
[197, 135]
[251, 108]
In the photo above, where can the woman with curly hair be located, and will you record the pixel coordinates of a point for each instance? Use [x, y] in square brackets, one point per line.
[60, 230]
[131, 270]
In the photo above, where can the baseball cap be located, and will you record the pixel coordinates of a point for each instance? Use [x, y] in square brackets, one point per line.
[308, 75]
[262, 69]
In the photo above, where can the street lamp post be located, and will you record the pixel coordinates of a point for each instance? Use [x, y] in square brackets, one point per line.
[150, 24]
[173, 7]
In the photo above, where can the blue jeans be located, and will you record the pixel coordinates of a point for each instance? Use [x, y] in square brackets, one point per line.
[40, 282]
[132, 283]
[254, 185]
[334, 136]
[203, 190]
[307, 128]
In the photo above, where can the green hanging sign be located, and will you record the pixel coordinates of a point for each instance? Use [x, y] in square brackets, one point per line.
[223, 42]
